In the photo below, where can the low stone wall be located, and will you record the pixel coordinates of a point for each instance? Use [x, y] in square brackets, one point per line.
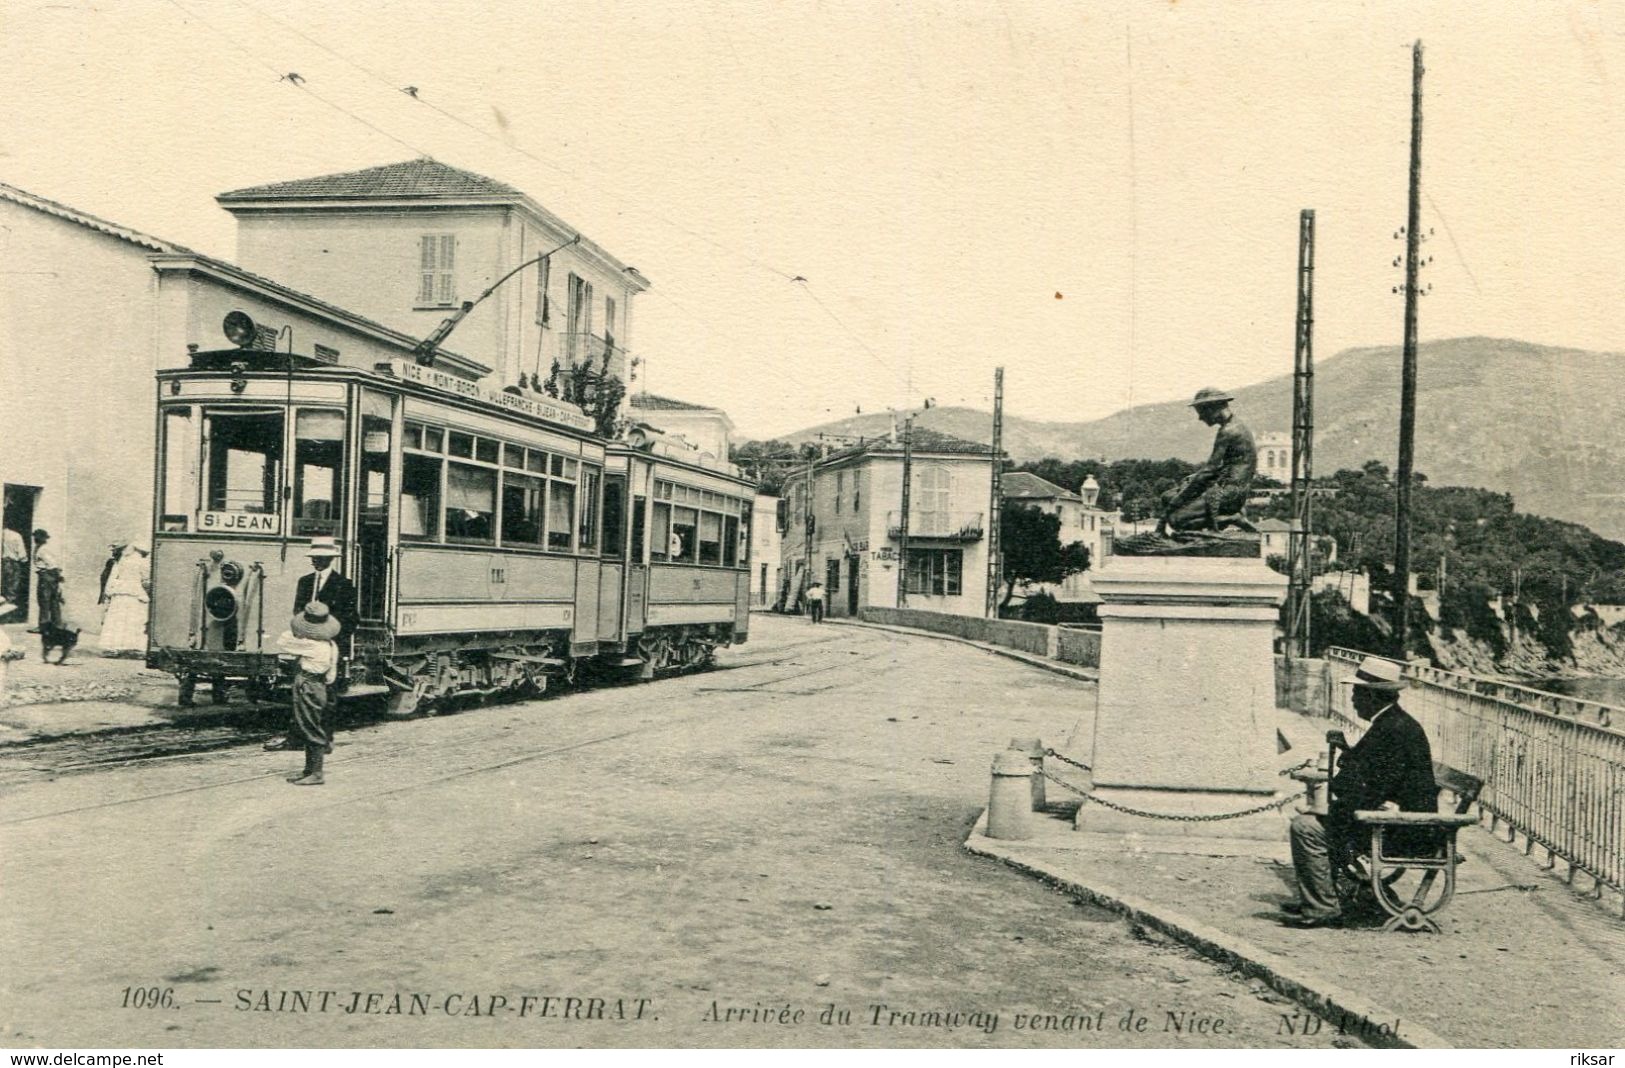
[1078, 647]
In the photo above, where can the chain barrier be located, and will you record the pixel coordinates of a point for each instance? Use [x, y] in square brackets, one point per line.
[1068, 760]
[1287, 772]
[1087, 797]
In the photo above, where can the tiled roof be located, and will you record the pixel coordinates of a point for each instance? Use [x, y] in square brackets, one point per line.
[1019, 485]
[422, 177]
[925, 440]
[652, 402]
[83, 218]
[1273, 525]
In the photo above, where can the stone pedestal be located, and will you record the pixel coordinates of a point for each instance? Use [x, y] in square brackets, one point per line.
[1185, 723]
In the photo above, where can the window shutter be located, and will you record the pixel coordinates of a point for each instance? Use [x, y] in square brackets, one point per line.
[426, 264]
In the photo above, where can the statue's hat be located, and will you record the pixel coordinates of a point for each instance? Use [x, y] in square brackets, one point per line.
[1208, 395]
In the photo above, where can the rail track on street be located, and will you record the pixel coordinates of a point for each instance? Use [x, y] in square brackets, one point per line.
[50, 758]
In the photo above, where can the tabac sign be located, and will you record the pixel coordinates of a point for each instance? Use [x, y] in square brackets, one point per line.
[552, 411]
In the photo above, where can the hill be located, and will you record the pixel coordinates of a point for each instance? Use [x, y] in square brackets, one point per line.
[1544, 424]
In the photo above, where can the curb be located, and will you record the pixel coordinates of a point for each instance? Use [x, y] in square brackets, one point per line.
[1280, 974]
[1080, 674]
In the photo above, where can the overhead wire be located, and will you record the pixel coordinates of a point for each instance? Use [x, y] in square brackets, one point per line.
[512, 145]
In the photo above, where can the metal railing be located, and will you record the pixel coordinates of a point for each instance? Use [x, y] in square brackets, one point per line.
[953, 526]
[1553, 767]
[583, 348]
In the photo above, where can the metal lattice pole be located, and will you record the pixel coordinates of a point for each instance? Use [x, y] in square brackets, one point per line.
[995, 500]
[902, 530]
[1300, 538]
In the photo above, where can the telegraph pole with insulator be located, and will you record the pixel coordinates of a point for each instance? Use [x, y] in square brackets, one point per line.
[1300, 545]
[1407, 378]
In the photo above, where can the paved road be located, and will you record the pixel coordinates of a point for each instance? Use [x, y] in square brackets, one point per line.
[689, 862]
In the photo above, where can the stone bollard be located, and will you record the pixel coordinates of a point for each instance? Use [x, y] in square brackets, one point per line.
[1010, 802]
[1034, 748]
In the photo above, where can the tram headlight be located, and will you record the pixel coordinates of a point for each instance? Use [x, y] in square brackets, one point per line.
[221, 602]
[239, 329]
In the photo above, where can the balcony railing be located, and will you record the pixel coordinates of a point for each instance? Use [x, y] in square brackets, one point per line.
[584, 348]
[941, 526]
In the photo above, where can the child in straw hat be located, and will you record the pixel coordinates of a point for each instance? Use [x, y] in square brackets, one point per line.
[309, 641]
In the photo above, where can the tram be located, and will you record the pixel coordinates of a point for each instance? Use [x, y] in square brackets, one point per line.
[497, 543]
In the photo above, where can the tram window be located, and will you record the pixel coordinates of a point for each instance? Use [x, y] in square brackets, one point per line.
[318, 455]
[635, 553]
[536, 461]
[614, 515]
[413, 438]
[244, 461]
[513, 456]
[461, 445]
[522, 509]
[420, 496]
[730, 541]
[683, 530]
[747, 516]
[710, 538]
[375, 467]
[471, 503]
[180, 469]
[561, 515]
[589, 509]
[485, 450]
[660, 535]
[433, 439]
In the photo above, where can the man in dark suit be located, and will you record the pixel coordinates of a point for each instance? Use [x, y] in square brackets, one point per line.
[1391, 766]
[326, 585]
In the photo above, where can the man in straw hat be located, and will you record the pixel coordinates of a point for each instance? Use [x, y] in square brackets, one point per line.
[1391, 766]
[308, 642]
[324, 583]
[1212, 496]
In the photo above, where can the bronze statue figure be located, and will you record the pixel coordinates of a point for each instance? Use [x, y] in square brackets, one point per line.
[1212, 496]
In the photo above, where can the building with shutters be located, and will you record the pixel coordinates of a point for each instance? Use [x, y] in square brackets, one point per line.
[406, 243]
[844, 525]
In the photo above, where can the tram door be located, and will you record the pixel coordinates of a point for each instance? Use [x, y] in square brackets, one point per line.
[372, 531]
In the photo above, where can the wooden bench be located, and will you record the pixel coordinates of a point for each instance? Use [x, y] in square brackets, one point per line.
[1381, 870]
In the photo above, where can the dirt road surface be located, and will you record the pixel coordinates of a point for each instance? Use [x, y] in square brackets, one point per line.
[767, 854]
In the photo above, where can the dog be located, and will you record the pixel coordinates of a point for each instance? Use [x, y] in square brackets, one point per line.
[62, 638]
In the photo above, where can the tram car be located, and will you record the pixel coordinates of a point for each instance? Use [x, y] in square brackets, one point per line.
[497, 543]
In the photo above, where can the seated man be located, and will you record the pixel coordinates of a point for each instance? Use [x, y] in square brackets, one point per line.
[1390, 766]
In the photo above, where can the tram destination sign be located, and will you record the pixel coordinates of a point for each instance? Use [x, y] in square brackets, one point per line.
[549, 410]
[238, 522]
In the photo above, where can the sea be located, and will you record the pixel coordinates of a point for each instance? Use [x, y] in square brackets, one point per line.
[1603, 691]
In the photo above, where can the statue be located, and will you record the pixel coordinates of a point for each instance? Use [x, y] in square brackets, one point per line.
[1199, 513]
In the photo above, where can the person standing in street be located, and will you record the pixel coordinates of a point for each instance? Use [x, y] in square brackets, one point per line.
[13, 570]
[815, 601]
[48, 575]
[308, 642]
[127, 590]
[337, 594]
[114, 551]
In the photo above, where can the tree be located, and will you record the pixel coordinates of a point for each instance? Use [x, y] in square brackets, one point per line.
[1033, 552]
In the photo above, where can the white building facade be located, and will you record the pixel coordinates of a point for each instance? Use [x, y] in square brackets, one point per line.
[844, 526]
[407, 243]
[766, 551]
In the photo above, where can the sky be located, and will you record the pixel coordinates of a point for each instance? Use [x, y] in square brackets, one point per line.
[1101, 198]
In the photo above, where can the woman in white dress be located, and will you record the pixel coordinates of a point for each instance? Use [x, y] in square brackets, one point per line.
[124, 628]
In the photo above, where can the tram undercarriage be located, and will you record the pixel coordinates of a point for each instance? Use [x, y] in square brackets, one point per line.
[430, 674]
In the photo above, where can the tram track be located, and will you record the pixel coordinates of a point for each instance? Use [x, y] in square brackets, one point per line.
[202, 746]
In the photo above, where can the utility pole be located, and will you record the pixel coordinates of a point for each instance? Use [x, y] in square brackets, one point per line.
[807, 525]
[1407, 379]
[902, 531]
[995, 503]
[1300, 546]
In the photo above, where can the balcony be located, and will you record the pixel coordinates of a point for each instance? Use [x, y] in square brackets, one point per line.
[594, 349]
[937, 526]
